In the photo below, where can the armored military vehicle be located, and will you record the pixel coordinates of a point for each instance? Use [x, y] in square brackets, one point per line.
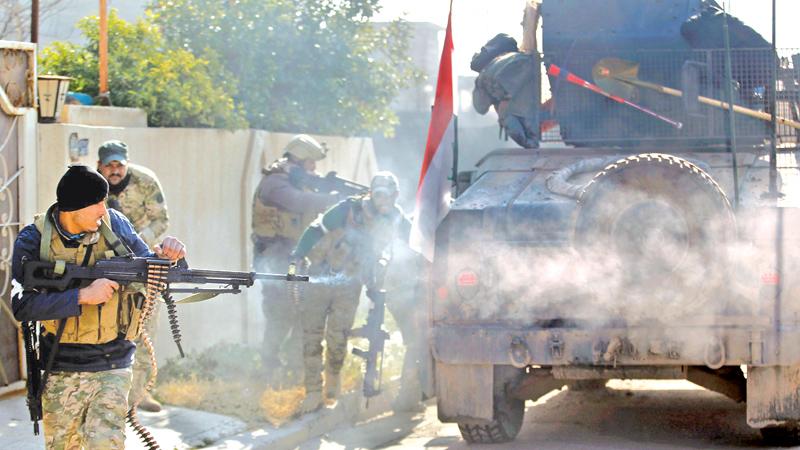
[650, 235]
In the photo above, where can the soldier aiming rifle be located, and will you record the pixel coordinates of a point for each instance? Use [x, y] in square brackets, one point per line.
[289, 196]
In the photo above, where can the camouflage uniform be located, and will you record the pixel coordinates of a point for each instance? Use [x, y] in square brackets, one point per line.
[142, 202]
[282, 209]
[100, 398]
[343, 246]
[86, 393]
[328, 311]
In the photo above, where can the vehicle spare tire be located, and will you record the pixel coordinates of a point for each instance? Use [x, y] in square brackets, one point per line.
[654, 230]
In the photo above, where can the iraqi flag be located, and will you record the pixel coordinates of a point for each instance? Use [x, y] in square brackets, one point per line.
[433, 190]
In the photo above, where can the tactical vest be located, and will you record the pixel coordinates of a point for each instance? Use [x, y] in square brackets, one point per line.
[365, 237]
[275, 222]
[97, 324]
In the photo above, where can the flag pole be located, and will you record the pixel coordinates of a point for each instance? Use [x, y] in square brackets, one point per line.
[455, 156]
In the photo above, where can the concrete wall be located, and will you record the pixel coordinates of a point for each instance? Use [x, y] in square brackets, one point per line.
[28, 143]
[208, 178]
[101, 116]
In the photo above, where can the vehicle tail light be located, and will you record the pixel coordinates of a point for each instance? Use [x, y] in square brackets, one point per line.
[467, 278]
[467, 283]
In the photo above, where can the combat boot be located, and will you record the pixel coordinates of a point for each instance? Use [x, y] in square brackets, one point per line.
[149, 404]
[311, 403]
[332, 387]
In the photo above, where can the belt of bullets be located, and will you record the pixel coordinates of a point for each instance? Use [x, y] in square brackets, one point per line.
[156, 283]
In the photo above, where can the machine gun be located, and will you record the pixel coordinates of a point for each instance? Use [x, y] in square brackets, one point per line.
[124, 270]
[373, 331]
[155, 271]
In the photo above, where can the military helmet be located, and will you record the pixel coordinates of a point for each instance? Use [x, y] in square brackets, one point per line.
[384, 182]
[305, 147]
[383, 192]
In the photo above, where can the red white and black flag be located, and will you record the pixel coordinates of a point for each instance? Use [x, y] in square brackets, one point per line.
[433, 190]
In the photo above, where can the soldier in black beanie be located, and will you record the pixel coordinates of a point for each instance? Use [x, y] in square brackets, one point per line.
[81, 186]
[87, 330]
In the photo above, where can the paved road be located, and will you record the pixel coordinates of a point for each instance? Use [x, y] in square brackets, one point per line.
[625, 415]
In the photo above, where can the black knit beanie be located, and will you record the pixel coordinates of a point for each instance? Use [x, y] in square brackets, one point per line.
[80, 187]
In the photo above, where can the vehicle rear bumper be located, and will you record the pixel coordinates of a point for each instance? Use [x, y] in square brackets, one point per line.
[730, 343]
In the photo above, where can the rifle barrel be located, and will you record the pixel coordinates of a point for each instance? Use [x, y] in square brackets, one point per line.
[230, 277]
[279, 277]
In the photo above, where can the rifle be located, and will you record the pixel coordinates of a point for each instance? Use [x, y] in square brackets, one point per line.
[34, 369]
[327, 184]
[373, 331]
[332, 183]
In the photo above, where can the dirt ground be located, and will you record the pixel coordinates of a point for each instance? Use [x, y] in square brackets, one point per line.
[228, 379]
[624, 415]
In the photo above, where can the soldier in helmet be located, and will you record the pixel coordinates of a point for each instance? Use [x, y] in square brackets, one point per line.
[283, 206]
[341, 248]
[136, 192]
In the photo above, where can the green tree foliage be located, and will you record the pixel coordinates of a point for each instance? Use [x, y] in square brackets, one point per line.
[175, 87]
[301, 65]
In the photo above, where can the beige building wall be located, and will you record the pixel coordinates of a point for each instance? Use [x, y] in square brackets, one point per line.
[208, 178]
[99, 116]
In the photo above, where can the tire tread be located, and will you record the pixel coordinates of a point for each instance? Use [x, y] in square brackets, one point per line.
[491, 433]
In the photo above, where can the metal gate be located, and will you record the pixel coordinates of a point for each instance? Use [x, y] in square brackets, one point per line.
[17, 74]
